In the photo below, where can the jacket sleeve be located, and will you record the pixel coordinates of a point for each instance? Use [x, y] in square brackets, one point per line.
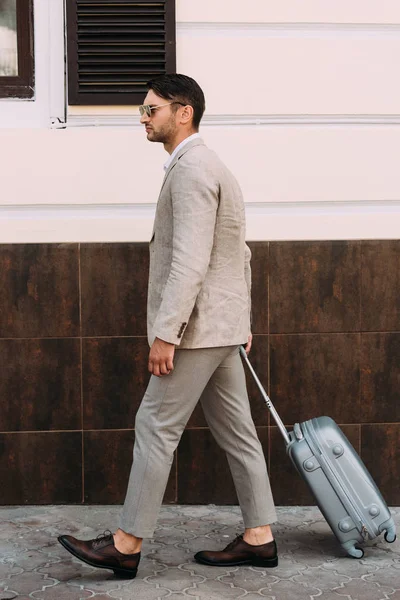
[195, 198]
[247, 275]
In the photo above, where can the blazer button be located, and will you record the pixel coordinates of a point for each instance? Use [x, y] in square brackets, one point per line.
[181, 329]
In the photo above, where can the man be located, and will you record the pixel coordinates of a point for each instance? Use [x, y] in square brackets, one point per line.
[198, 315]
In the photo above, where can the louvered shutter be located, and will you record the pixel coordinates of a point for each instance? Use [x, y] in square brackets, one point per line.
[116, 46]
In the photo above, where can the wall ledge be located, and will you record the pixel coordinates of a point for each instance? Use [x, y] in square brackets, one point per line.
[274, 221]
[132, 120]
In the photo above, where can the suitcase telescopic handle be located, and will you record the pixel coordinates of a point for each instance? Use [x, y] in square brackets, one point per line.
[268, 402]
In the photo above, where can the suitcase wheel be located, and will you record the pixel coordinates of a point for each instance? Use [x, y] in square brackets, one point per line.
[390, 537]
[355, 552]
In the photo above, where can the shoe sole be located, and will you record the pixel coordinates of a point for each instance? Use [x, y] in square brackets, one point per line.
[123, 573]
[254, 562]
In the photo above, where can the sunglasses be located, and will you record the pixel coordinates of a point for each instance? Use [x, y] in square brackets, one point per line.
[147, 108]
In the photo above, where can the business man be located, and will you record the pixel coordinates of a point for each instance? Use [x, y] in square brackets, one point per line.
[198, 315]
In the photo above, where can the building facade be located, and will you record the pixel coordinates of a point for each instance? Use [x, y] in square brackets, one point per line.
[303, 106]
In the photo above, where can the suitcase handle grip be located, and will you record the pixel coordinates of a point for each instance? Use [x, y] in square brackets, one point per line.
[268, 402]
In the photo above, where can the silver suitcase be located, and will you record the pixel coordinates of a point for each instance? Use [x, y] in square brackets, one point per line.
[345, 492]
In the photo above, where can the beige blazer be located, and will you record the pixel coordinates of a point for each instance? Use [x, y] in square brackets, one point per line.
[199, 279]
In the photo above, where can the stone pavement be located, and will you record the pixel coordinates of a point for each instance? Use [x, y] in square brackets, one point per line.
[311, 564]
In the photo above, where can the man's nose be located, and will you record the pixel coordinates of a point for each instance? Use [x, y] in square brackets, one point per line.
[144, 118]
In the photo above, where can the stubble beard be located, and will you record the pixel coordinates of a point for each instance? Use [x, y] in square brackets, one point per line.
[165, 134]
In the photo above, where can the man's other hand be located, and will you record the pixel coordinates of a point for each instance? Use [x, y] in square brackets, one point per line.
[249, 343]
[161, 358]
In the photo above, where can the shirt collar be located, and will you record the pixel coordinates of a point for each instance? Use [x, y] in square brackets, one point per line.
[179, 146]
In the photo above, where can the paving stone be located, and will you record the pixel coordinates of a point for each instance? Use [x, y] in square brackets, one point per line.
[8, 595]
[140, 589]
[232, 509]
[11, 531]
[217, 591]
[99, 580]
[304, 556]
[351, 567]
[62, 591]
[65, 570]
[39, 520]
[18, 512]
[8, 549]
[170, 517]
[25, 583]
[101, 597]
[172, 556]
[222, 536]
[77, 529]
[197, 511]
[175, 579]
[286, 569]
[227, 519]
[329, 595]
[181, 596]
[204, 542]
[150, 567]
[56, 552]
[209, 573]
[249, 579]
[385, 577]
[321, 578]
[7, 569]
[197, 526]
[382, 551]
[286, 588]
[170, 536]
[359, 589]
[41, 538]
[32, 559]
[251, 596]
[311, 562]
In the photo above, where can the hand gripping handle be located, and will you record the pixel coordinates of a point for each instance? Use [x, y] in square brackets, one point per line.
[268, 402]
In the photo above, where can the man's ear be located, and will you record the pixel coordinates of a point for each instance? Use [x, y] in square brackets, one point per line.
[187, 114]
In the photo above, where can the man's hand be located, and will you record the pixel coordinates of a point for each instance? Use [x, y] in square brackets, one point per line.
[161, 358]
[249, 342]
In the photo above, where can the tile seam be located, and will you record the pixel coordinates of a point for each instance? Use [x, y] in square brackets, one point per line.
[95, 337]
[66, 431]
[269, 442]
[81, 375]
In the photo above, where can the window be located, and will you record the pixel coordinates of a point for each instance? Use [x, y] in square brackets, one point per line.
[116, 46]
[16, 49]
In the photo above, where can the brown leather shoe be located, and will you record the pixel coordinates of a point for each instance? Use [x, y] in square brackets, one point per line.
[240, 552]
[102, 553]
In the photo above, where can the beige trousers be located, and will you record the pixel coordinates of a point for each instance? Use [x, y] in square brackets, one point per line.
[215, 376]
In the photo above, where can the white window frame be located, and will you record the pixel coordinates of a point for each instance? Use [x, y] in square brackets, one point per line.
[48, 106]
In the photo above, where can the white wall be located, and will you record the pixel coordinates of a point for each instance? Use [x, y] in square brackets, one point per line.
[301, 104]
[289, 11]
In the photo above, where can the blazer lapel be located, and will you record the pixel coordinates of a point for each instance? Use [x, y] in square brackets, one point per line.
[182, 151]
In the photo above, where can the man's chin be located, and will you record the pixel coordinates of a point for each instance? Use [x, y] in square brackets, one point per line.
[153, 137]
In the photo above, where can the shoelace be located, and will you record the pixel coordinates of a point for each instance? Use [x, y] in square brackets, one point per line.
[101, 538]
[232, 544]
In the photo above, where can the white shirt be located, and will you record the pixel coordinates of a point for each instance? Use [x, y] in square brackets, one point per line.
[179, 146]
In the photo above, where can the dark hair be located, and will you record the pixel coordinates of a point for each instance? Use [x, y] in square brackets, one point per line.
[180, 88]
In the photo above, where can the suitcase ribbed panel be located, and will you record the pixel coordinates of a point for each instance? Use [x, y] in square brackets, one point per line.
[341, 484]
[339, 481]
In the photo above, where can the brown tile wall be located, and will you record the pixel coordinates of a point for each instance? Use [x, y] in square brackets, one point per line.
[73, 356]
